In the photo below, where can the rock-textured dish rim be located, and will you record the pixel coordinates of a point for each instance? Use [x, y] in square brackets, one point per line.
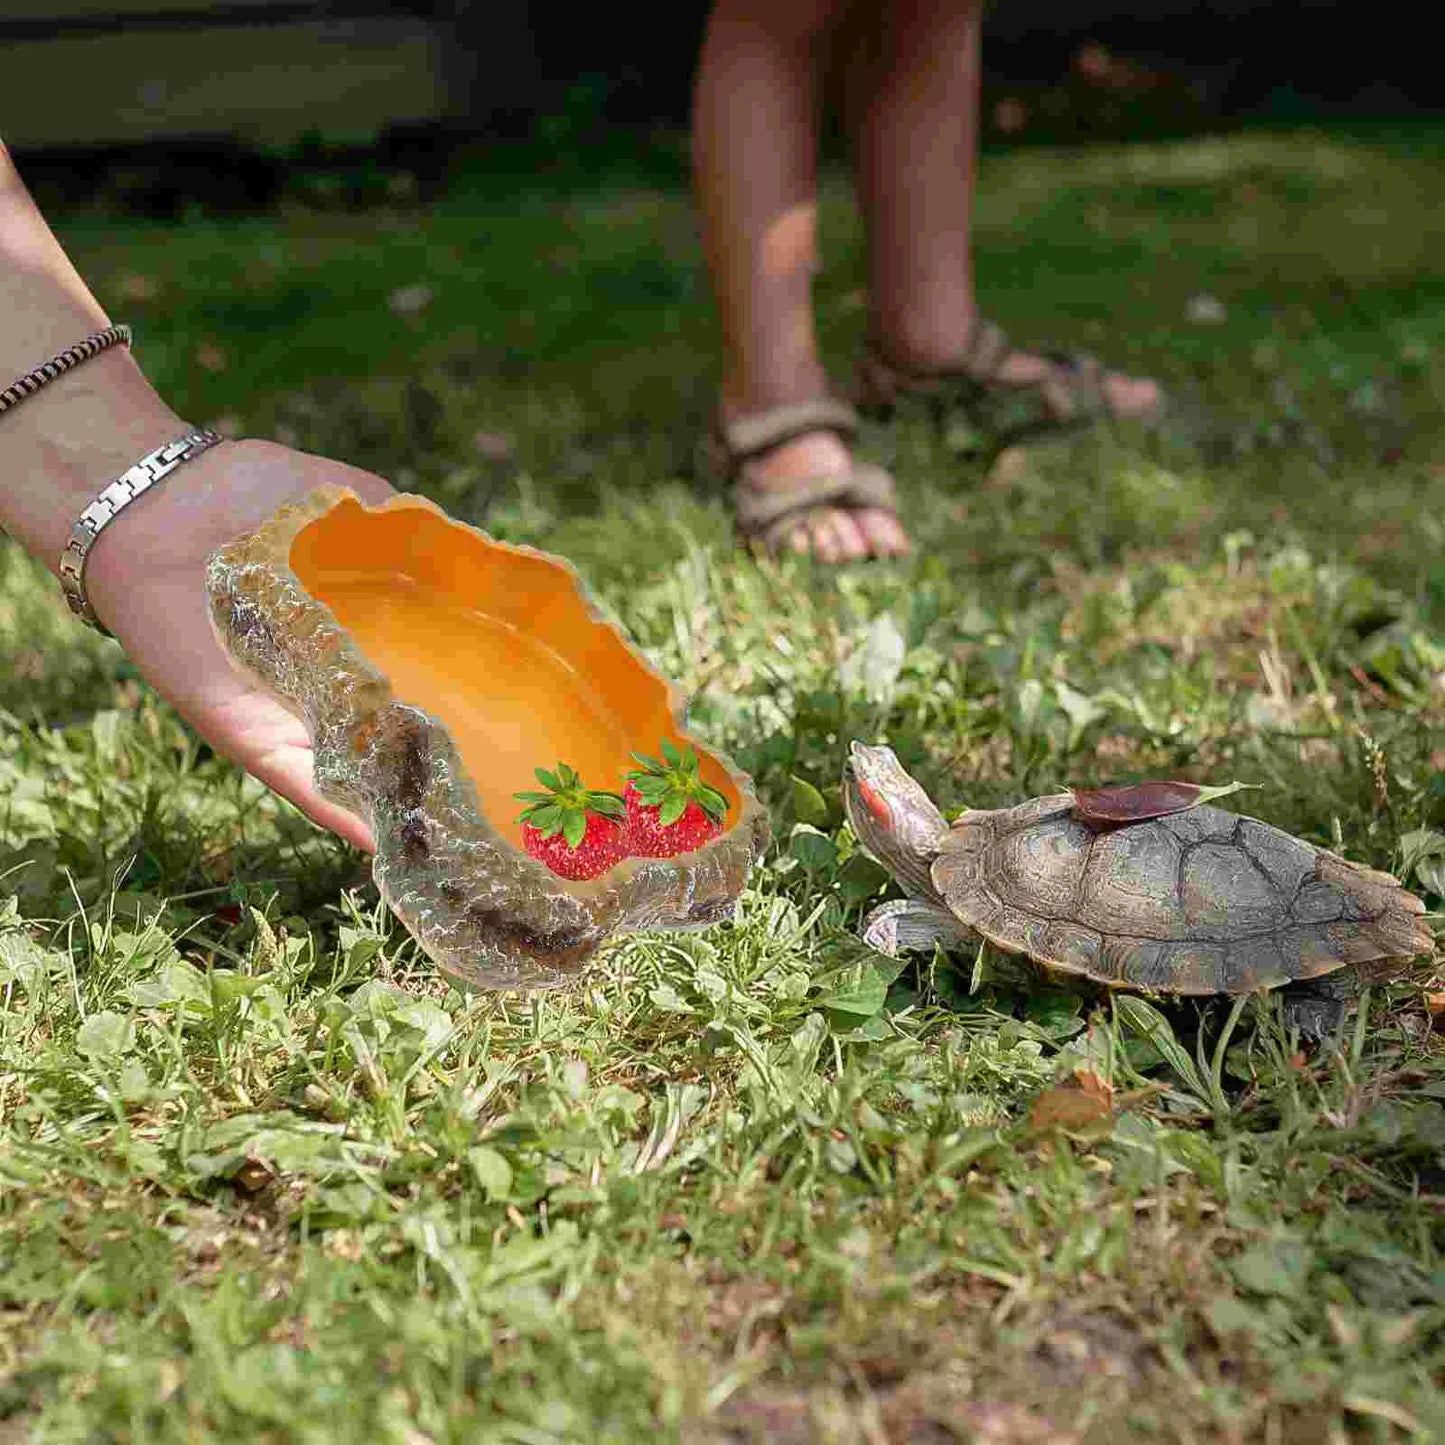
[484, 910]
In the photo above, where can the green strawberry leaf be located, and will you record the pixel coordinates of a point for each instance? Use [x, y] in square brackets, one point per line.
[671, 784]
[547, 817]
[712, 802]
[566, 806]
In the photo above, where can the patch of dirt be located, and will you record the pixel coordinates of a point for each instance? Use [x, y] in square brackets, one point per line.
[774, 1419]
[919, 1413]
[922, 1411]
[1077, 1348]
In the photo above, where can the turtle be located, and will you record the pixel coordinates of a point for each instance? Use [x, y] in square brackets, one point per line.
[1143, 888]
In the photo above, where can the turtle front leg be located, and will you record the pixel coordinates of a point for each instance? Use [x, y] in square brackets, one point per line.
[904, 924]
[1316, 1006]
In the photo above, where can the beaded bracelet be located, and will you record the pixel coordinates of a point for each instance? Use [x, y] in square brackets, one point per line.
[32, 381]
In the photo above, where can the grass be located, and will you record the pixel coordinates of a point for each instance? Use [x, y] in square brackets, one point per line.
[266, 1176]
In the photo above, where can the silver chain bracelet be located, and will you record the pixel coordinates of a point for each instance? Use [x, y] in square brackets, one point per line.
[134, 482]
[32, 381]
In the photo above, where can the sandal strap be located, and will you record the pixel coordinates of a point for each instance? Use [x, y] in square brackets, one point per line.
[872, 487]
[1073, 394]
[1078, 363]
[761, 512]
[750, 436]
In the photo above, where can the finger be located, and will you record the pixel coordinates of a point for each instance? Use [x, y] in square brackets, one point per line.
[259, 735]
[187, 667]
[290, 771]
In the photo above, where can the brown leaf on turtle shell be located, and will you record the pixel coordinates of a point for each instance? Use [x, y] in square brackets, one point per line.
[1138, 802]
[1086, 1100]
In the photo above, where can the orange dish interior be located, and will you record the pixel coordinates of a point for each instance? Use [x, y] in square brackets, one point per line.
[497, 644]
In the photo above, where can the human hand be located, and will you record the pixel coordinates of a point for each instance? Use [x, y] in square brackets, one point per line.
[146, 580]
[146, 572]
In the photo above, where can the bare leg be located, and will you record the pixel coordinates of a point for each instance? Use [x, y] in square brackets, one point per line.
[917, 150]
[755, 153]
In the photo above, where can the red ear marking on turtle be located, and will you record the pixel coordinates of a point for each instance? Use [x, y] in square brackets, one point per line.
[1138, 802]
[876, 804]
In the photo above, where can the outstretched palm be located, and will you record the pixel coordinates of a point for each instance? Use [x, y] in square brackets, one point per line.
[147, 582]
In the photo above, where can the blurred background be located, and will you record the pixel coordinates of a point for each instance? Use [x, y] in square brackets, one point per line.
[455, 243]
[165, 102]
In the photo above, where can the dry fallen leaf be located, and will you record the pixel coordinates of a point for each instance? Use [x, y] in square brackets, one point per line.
[409, 300]
[1094, 1083]
[344, 1244]
[493, 446]
[132, 286]
[1086, 1100]
[1009, 467]
[1010, 115]
[253, 1176]
[1206, 310]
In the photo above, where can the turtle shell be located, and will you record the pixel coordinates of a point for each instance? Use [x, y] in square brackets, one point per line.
[1201, 901]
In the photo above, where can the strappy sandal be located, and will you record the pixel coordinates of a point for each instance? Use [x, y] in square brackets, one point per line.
[768, 517]
[1072, 396]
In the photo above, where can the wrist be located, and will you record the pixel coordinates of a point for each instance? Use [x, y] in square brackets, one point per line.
[170, 531]
[71, 438]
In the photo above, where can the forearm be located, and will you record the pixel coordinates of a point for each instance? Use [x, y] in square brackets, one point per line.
[63, 444]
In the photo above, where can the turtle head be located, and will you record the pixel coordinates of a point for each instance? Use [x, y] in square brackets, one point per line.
[891, 815]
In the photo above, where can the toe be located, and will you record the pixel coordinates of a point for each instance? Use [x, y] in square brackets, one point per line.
[882, 534]
[853, 540]
[831, 542]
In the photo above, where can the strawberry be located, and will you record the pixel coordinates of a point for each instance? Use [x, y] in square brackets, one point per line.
[670, 809]
[577, 832]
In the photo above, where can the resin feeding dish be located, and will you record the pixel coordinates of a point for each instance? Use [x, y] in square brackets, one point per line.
[435, 670]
